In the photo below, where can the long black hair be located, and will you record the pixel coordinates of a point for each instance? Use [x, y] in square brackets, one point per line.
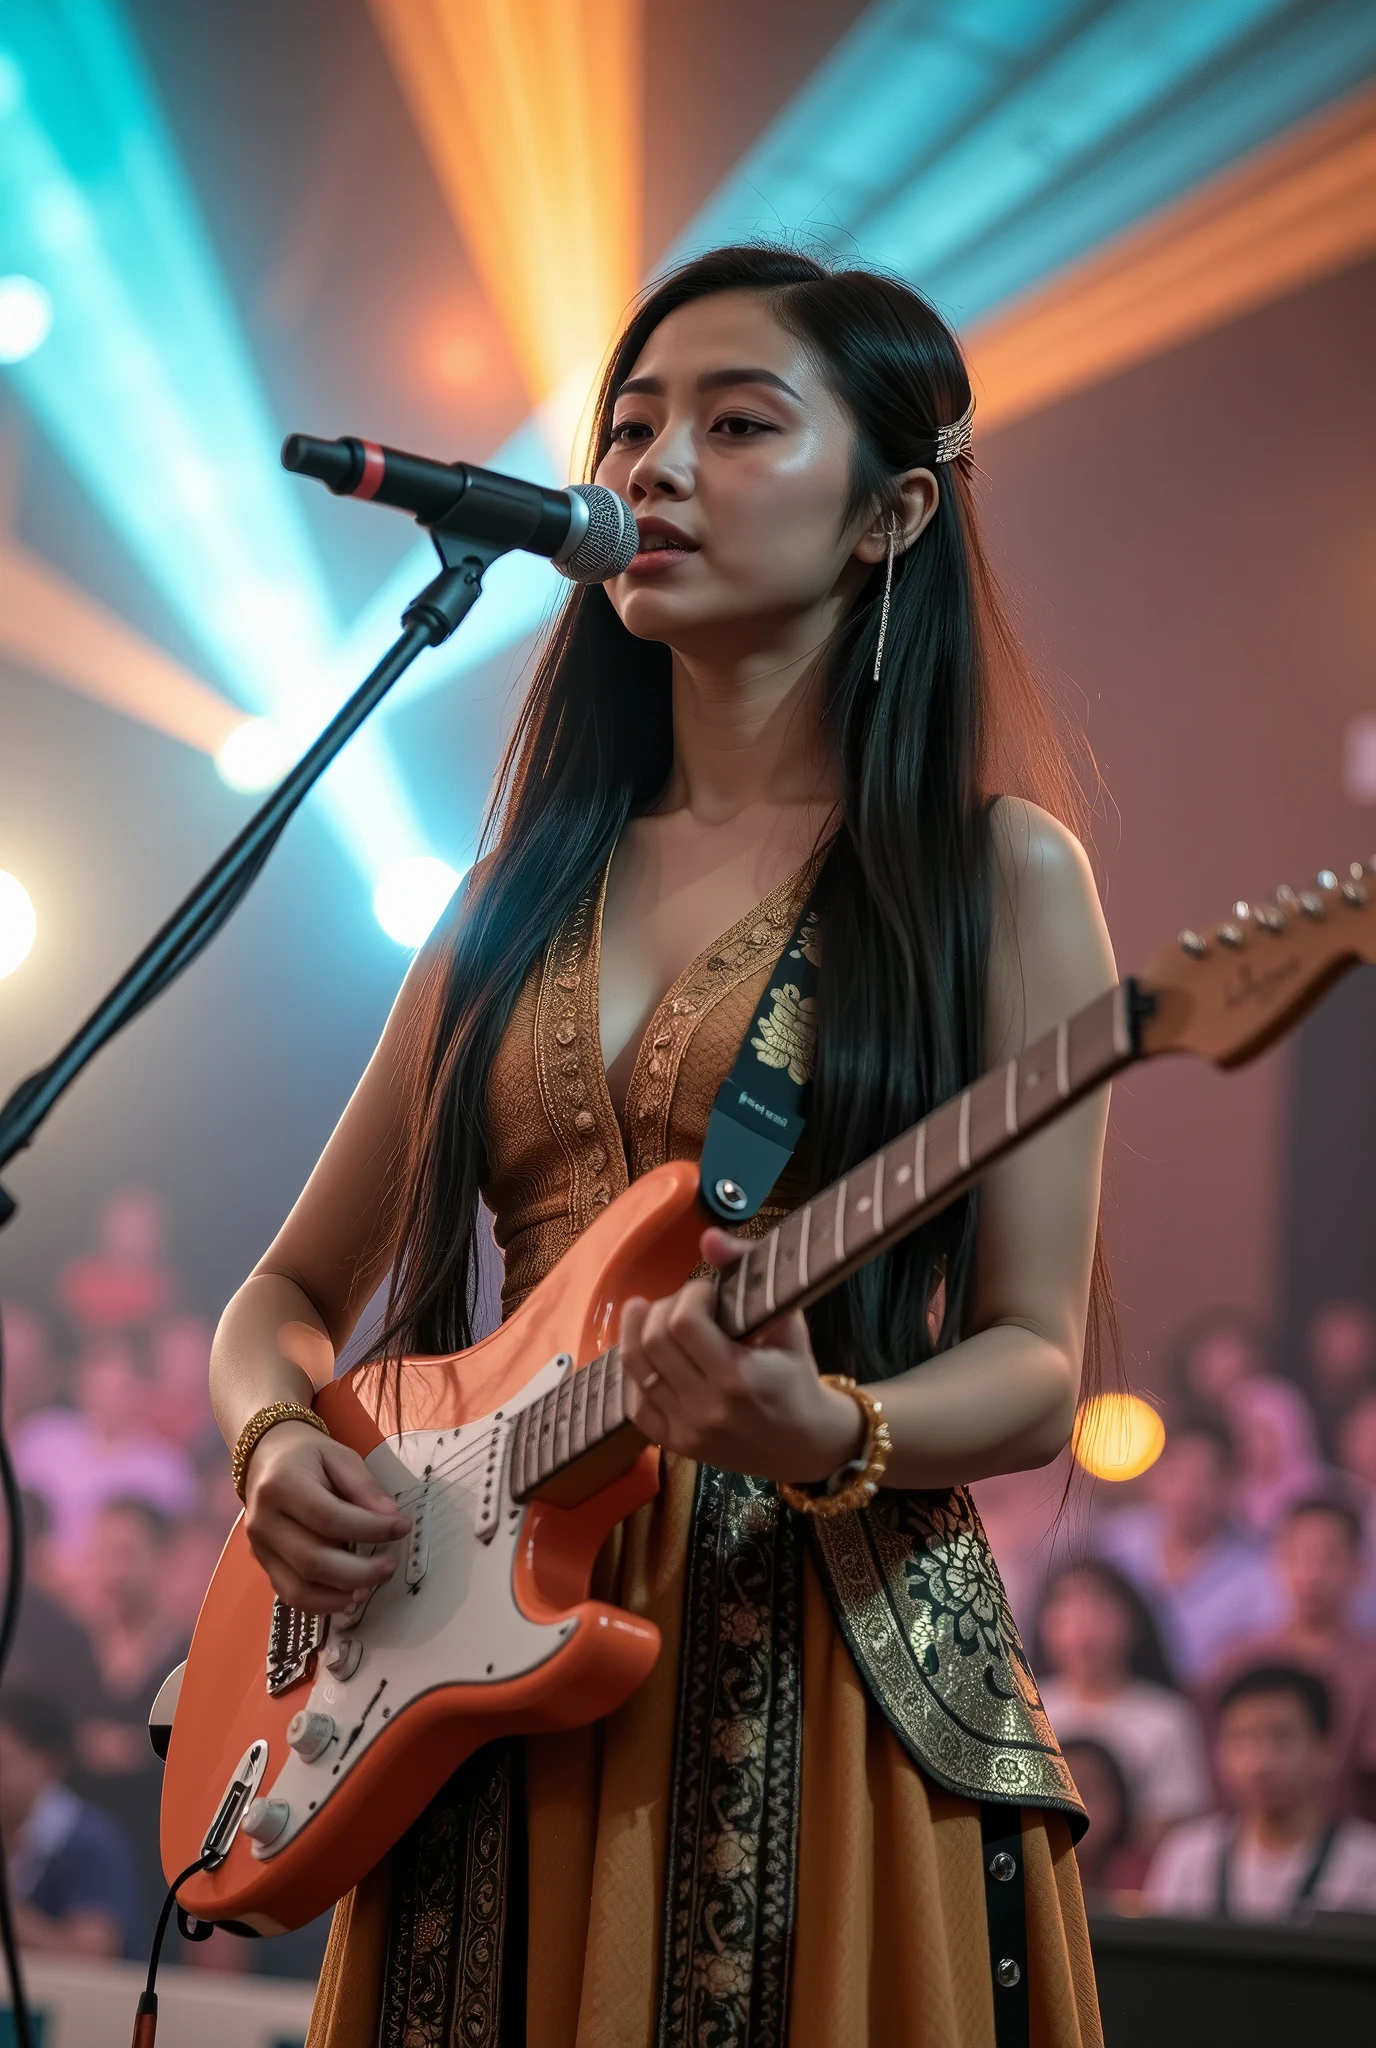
[907, 891]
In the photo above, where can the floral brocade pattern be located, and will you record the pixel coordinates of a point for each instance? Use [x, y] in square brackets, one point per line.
[917, 1595]
[734, 1822]
[442, 1986]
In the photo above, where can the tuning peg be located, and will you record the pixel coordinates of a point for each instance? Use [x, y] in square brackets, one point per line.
[1287, 898]
[1232, 934]
[1326, 879]
[1194, 945]
[1357, 870]
[1312, 904]
[1355, 894]
[1242, 911]
[1269, 919]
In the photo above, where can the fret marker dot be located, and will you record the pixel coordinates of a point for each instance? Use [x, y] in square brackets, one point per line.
[905, 1173]
[863, 1204]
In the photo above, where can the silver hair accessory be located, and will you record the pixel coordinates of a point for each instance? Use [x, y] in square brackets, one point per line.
[954, 440]
[888, 593]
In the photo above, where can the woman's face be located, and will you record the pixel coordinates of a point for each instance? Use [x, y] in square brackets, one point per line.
[735, 456]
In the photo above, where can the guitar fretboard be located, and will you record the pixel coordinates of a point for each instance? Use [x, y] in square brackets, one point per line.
[855, 1219]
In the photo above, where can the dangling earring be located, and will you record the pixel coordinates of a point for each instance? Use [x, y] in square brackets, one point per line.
[888, 593]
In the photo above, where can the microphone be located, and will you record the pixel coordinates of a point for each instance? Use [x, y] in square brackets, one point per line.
[587, 531]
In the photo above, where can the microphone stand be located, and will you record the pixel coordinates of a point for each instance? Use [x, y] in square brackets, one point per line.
[427, 621]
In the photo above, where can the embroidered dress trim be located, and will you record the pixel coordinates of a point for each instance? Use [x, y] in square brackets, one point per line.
[733, 1824]
[917, 1596]
[442, 1985]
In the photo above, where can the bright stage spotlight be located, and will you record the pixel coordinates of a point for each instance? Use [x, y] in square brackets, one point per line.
[147, 386]
[409, 898]
[18, 924]
[254, 756]
[26, 317]
[1117, 1436]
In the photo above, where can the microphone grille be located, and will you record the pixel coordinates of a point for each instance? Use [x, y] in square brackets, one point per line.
[611, 539]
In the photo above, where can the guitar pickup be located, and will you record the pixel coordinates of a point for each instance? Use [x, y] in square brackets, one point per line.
[490, 1483]
[418, 1543]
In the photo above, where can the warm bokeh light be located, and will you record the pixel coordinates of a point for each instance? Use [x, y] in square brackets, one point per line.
[18, 924]
[26, 318]
[458, 358]
[253, 756]
[408, 900]
[531, 116]
[1117, 1436]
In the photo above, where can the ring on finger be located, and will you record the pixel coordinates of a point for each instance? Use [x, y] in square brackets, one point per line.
[651, 1379]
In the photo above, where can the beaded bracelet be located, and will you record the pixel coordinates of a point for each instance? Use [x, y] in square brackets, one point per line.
[257, 1427]
[854, 1484]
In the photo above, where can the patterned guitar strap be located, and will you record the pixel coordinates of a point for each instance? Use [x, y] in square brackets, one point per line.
[738, 1752]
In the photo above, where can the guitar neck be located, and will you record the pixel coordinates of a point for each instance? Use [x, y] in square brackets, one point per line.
[852, 1221]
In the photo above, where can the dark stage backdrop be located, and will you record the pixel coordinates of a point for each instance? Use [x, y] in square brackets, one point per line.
[1193, 543]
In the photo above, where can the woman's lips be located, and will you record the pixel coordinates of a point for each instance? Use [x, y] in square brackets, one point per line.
[652, 561]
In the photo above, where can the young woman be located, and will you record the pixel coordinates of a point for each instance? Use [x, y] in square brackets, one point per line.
[802, 681]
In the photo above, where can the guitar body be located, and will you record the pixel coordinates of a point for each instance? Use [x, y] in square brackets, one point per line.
[486, 1627]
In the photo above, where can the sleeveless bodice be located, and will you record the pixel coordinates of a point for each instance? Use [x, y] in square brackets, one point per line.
[557, 1153]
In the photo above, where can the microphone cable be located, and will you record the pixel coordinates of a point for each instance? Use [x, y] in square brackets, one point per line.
[146, 2016]
[9, 1621]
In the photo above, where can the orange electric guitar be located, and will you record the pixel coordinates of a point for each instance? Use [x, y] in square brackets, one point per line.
[300, 1749]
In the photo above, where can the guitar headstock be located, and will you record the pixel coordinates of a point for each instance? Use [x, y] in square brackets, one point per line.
[1227, 990]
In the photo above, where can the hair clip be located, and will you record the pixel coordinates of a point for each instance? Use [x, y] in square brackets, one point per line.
[954, 440]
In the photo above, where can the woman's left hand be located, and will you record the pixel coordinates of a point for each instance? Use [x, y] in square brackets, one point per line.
[758, 1408]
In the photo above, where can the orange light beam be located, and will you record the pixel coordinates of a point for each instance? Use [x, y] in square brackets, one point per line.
[530, 111]
[1289, 214]
[53, 628]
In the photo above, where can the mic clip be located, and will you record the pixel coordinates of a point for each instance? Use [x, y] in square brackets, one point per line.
[446, 601]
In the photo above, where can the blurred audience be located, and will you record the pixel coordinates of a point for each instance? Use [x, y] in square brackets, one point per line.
[1277, 1452]
[71, 1873]
[136, 1643]
[100, 1450]
[1318, 1554]
[1357, 1458]
[1215, 1355]
[1206, 1582]
[178, 1406]
[51, 1652]
[126, 1280]
[1104, 1678]
[1340, 1363]
[1110, 1858]
[1279, 1854]
[30, 1367]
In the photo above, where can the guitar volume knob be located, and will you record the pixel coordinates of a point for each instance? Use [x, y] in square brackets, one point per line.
[265, 1819]
[310, 1734]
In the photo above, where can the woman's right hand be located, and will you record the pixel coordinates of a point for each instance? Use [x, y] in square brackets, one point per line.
[307, 1499]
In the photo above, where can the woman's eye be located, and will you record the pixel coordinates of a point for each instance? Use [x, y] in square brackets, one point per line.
[630, 430]
[736, 426]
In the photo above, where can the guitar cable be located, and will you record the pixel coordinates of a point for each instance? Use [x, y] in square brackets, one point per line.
[146, 2016]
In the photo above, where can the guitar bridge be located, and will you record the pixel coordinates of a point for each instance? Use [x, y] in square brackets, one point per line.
[293, 1641]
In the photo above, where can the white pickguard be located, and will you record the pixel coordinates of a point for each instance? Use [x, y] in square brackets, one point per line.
[458, 1624]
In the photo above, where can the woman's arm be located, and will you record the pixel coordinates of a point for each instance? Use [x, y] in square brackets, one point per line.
[307, 1497]
[1003, 1399]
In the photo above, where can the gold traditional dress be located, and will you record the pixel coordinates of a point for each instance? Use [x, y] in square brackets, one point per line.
[776, 1842]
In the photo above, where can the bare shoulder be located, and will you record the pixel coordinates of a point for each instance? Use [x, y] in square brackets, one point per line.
[1050, 951]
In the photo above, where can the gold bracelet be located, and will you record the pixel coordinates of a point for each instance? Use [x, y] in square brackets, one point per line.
[257, 1427]
[854, 1484]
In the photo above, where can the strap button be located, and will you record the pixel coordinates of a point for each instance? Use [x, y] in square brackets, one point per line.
[1008, 1973]
[1003, 1867]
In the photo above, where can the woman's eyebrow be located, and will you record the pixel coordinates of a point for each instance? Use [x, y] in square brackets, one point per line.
[712, 380]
